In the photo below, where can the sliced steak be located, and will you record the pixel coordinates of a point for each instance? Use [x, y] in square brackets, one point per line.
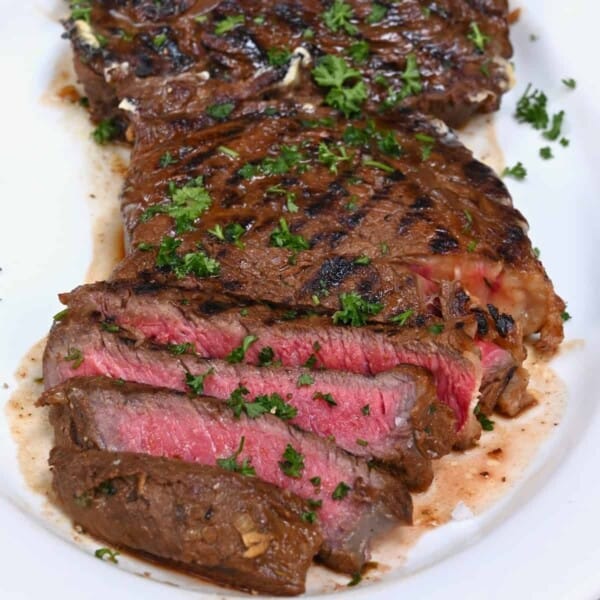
[231, 529]
[175, 317]
[404, 53]
[352, 501]
[297, 208]
[394, 418]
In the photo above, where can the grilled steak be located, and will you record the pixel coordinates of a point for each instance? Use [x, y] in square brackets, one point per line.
[352, 501]
[394, 418]
[448, 58]
[232, 529]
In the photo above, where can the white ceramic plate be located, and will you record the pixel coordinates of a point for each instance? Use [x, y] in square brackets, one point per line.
[541, 541]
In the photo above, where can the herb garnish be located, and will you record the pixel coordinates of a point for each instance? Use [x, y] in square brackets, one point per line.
[231, 463]
[316, 481]
[292, 464]
[277, 57]
[334, 73]
[555, 128]
[290, 197]
[338, 17]
[187, 203]
[359, 51]
[565, 316]
[110, 327]
[289, 157]
[309, 516]
[106, 130]
[158, 41]
[59, 316]
[75, 355]
[377, 14]
[486, 424]
[192, 263]
[330, 159]
[81, 10]
[328, 398]
[341, 491]
[179, 349]
[107, 554]
[546, 153]
[518, 171]
[228, 24]
[220, 111]
[531, 108]
[436, 328]
[356, 579]
[305, 379]
[355, 310]
[478, 38]
[231, 233]
[366, 410]
[427, 143]
[378, 165]
[570, 83]
[166, 160]
[238, 354]
[266, 356]
[283, 238]
[403, 317]
[196, 382]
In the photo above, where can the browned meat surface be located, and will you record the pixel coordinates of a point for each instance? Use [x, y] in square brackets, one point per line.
[352, 501]
[292, 206]
[447, 58]
[235, 530]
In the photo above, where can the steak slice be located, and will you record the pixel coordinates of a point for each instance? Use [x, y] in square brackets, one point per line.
[296, 207]
[170, 316]
[394, 417]
[405, 55]
[233, 530]
[352, 501]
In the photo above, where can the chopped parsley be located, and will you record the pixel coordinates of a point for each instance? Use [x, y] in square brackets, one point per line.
[309, 516]
[220, 111]
[81, 10]
[110, 327]
[316, 481]
[532, 108]
[277, 57]
[330, 159]
[107, 554]
[363, 443]
[273, 404]
[283, 238]
[478, 38]
[266, 356]
[292, 464]
[378, 165]
[231, 463]
[106, 131]
[238, 354]
[59, 316]
[356, 579]
[518, 171]
[554, 131]
[192, 263]
[362, 260]
[411, 78]
[231, 233]
[471, 246]
[427, 143]
[333, 72]
[341, 491]
[328, 398]
[179, 349]
[389, 145]
[546, 153]
[436, 328]
[486, 424]
[196, 382]
[355, 310]
[377, 14]
[565, 316]
[289, 157]
[290, 197]
[366, 410]
[228, 152]
[228, 24]
[186, 204]
[166, 160]
[338, 17]
[359, 51]
[305, 379]
[403, 317]
[158, 41]
[570, 83]
[75, 356]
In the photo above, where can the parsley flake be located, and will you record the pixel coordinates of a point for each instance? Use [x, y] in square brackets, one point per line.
[220, 111]
[478, 38]
[228, 24]
[330, 159]
[238, 354]
[196, 382]
[231, 463]
[341, 491]
[305, 379]
[106, 131]
[292, 464]
[328, 398]
[338, 17]
[518, 171]
[377, 14]
[355, 310]
[75, 356]
[486, 424]
[403, 317]
[107, 554]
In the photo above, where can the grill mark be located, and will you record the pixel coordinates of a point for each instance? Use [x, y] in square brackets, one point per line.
[331, 274]
[443, 242]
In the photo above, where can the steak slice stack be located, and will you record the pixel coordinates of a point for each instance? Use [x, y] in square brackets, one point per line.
[448, 58]
[352, 500]
[231, 529]
[323, 289]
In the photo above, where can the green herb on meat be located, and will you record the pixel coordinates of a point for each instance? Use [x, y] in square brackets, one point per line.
[292, 464]
[231, 463]
[355, 310]
[238, 354]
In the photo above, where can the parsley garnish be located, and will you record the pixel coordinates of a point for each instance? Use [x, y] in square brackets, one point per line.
[570, 83]
[471, 246]
[486, 424]
[341, 491]
[75, 355]
[166, 160]
[325, 397]
[288, 158]
[377, 14]
[292, 464]
[333, 72]
[531, 108]
[565, 316]
[338, 17]
[278, 57]
[402, 318]
[378, 165]
[266, 356]
[220, 111]
[316, 481]
[330, 159]
[158, 41]
[478, 38]
[411, 78]
[518, 171]
[192, 263]
[107, 554]
[230, 233]
[231, 463]
[283, 238]
[106, 130]
[273, 404]
[309, 516]
[554, 132]
[389, 145]
[228, 24]
[179, 349]
[238, 354]
[228, 152]
[355, 310]
[427, 143]
[196, 382]
[546, 153]
[290, 197]
[110, 327]
[356, 579]
[359, 51]
[59, 316]
[362, 260]
[187, 203]
[81, 10]
[366, 410]
[436, 328]
[305, 379]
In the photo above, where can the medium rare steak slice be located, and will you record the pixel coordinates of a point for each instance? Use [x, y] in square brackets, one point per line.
[448, 58]
[352, 501]
[231, 529]
[298, 208]
[394, 418]
[169, 316]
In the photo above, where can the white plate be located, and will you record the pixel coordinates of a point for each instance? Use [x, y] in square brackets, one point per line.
[541, 541]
